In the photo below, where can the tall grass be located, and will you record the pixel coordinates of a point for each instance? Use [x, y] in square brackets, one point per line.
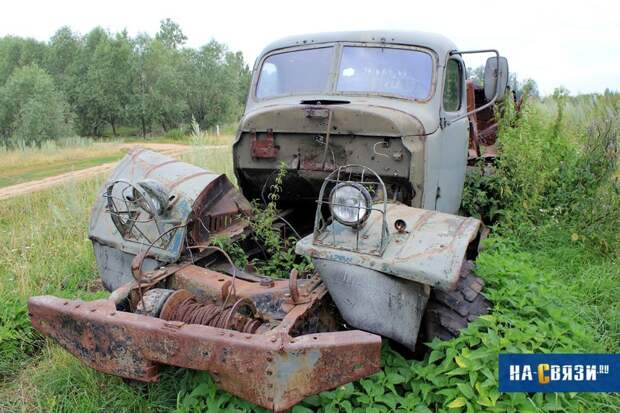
[44, 249]
[20, 160]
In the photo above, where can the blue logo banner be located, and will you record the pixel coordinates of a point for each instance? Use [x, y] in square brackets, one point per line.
[559, 373]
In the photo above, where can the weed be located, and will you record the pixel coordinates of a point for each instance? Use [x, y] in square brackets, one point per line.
[280, 251]
[233, 249]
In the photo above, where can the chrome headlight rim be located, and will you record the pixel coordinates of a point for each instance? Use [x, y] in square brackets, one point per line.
[367, 207]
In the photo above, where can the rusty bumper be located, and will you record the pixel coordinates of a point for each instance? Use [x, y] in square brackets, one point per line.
[275, 370]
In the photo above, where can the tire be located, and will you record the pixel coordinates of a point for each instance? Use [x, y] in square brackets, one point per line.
[448, 312]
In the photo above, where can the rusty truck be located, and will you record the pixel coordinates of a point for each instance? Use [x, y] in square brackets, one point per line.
[371, 134]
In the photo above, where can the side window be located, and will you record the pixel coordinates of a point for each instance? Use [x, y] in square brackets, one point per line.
[452, 91]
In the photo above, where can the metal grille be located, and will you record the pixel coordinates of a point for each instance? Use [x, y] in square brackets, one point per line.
[135, 216]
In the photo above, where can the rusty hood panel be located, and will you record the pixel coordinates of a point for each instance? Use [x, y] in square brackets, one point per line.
[430, 250]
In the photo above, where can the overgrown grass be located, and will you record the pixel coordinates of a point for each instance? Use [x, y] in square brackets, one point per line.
[27, 163]
[551, 292]
[44, 250]
[33, 172]
[24, 163]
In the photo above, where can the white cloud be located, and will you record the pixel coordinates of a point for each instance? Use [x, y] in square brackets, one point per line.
[572, 44]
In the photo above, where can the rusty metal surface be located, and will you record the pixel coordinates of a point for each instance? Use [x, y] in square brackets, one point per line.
[183, 306]
[264, 147]
[156, 203]
[301, 135]
[430, 250]
[274, 371]
[483, 125]
[274, 300]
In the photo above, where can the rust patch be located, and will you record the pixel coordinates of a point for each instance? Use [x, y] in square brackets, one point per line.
[264, 147]
[272, 370]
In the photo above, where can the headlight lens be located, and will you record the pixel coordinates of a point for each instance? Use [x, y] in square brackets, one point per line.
[350, 203]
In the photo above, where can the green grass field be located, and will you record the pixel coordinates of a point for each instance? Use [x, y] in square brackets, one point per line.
[33, 172]
[554, 285]
[29, 164]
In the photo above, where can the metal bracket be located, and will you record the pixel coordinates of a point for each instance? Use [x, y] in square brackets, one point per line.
[263, 148]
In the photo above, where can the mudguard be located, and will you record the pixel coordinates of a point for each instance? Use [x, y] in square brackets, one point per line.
[429, 249]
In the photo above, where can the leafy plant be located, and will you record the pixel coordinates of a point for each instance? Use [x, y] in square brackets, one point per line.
[280, 251]
[233, 249]
[483, 193]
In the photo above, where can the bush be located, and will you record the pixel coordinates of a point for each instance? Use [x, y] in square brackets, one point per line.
[555, 172]
[31, 109]
[175, 134]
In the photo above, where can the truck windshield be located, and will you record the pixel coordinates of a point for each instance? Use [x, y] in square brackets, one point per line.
[384, 70]
[381, 70]
[298, 72]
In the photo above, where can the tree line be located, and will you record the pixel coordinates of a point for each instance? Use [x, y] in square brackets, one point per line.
[85, 84]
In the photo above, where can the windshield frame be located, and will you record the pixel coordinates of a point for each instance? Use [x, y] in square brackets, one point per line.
[335, 71]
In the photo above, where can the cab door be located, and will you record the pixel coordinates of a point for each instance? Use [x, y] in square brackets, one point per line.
[454, 138]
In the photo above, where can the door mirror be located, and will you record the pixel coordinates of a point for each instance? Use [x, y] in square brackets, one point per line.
[495, 77]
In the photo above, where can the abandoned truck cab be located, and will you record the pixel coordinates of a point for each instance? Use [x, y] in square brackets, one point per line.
[395, 102]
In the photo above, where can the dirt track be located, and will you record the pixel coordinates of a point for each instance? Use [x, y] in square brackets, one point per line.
[26, 187]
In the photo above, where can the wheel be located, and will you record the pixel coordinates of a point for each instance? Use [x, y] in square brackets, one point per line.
[448, 312]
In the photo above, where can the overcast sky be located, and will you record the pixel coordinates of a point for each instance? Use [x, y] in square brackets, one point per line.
[571, 44]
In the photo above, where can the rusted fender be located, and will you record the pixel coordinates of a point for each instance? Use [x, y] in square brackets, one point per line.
[424, 246]
[274, 371]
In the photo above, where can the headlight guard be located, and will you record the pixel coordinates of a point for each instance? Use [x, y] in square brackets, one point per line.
[353, 196]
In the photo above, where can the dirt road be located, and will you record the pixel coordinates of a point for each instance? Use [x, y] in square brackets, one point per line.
[26, 187]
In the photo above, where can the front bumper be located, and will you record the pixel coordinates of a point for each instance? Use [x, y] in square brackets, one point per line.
[273, 370]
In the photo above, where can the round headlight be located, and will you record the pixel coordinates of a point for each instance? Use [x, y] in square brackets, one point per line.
[350, 203]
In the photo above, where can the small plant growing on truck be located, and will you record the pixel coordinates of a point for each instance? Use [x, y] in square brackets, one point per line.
[362, 139]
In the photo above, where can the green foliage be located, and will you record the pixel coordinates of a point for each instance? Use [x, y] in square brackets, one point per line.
[170, 34]
[114, 80]
[535, 310]
[16, 52]
[281, 252]
[175, 134]
[18, 341]
[31, 109]
[233, 249]
[561, 172]
[555, 172]
[202, 395]
[483, 193]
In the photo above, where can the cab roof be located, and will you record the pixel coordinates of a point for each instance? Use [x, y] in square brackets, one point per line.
[437, 42]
